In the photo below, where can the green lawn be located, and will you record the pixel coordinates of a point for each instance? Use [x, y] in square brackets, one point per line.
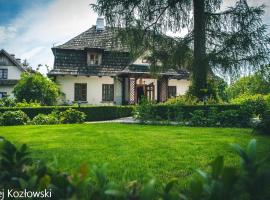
[133, 150]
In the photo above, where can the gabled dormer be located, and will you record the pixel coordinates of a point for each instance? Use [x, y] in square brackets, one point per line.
[94, 56]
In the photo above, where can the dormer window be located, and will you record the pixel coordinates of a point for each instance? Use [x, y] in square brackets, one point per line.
[93, 58]
[145, 60]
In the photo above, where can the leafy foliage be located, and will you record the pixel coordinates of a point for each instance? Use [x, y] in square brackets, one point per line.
[263, 127]
[27, 104]
[42, 119]
[196, 115]
[249, 85]
[10, 118]
[250, 181]
[256, 104]
[182, 100]
[7, 102]
[71, 116]
[35, 87]
[231, 39]
[93, 113]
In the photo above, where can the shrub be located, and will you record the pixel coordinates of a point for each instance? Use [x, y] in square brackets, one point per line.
[263, 127]
[255, 104]
[36, 87]
[235, 118]
[182, 100]
[31, 103]
[71, 116]
[144, 111]
[198, 118]
[10, 118]
[252, 85]
[93, 113]
[42, 119]
[1, 119]
[7, 102]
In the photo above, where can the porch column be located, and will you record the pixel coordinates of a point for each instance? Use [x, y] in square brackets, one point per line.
[132, 90]
[163, 89]
[118, 90]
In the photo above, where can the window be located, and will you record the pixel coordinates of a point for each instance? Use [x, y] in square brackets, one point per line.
[93, 59]
[3, 73]
[145, 60]
[171, 91]
[107, 92]
[80, 92]
[3, 94]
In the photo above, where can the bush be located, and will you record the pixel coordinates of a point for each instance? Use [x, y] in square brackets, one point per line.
[196, 115]
[42, 119]
[235, 118]
[72, 116]
[36, 87]
[27, 104]
[182, 100]
[252, 85]
[10, 118]
[263, 127]
[93, 113]
[256, 104]
[144, 111]
[249, 180]
[7, 102]
[226, 118]
[198, 118]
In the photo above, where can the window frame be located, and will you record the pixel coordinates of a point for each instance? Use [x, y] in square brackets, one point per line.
[3, 74]
[107, 92]
[82, 96]
[172, 91]
[3, 94]
[96, 60]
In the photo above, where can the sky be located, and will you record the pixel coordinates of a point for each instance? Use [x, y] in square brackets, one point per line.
[30, 28]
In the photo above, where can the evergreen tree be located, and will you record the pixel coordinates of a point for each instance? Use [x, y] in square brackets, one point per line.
[232, 40]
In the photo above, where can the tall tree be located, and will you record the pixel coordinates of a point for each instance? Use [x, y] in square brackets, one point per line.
[230, 39]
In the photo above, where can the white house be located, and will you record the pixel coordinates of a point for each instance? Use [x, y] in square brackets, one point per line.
[92, 69]
[10, 72]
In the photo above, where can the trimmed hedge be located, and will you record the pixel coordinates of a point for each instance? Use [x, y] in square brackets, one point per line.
[170, 111]
[93, 113]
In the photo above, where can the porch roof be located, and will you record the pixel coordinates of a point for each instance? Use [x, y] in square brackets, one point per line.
[144, 70]
[7, 82]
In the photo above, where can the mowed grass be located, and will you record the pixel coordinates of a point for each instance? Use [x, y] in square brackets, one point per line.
[134, 151]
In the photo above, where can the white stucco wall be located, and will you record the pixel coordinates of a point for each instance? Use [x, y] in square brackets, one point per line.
[94, 87]
[13, 72]
[181, 85]
[7, 89]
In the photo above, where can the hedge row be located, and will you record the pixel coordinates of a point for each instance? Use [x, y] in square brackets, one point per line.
[170, 111]
[93, 113]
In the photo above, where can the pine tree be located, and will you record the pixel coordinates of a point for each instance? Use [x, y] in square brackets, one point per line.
[230, 39]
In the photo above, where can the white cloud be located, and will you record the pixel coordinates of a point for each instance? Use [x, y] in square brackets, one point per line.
[31, 35]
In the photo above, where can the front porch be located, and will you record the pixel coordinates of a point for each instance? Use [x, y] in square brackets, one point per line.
[130, 89]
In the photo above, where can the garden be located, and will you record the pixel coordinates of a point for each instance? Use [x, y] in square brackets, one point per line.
[182, 148]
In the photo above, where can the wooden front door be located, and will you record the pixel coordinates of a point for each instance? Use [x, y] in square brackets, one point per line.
[150, 92]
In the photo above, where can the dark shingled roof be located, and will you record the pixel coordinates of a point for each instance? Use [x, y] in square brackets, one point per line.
[95, 39]
[70, 58]
[12, 59]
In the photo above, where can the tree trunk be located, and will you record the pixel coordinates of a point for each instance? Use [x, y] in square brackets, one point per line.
[200, 64]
